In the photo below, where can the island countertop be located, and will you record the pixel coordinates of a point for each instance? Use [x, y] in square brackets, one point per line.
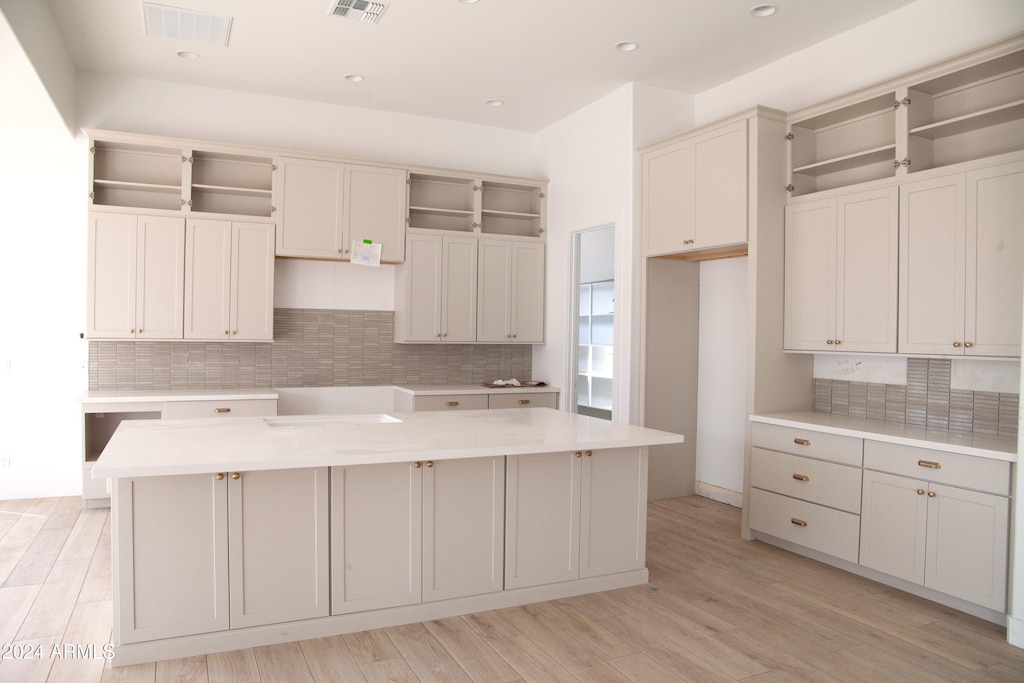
[144, 448]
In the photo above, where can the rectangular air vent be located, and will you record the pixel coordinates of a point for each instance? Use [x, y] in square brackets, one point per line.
[363, 10]
[186, 24]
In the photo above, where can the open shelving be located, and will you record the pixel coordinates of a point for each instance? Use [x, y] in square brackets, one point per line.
[478, 206]
[441, 203]
[140, 176]
[596, 345]
[512, 209]
[232, 183]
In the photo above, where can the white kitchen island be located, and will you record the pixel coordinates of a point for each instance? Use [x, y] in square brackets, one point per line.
[253, 531]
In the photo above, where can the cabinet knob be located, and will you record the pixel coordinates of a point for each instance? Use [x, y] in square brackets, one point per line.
[430, 463]
[967, 345]
[236, 476]
[225, 331]
[838, 342]
[236, 332]
[131, 331]
[417, 465]
[956, 345]
[829, 342]
[931, 494]
[219, 476]
[589, 453]
[801, 477]
[579, 454]
[444, 334]
[920, 492]
[797, 522]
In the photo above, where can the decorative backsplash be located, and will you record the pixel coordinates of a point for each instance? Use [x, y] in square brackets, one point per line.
[311, 348]
[925, 400]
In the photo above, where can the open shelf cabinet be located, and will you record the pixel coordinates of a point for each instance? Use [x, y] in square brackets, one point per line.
[485, 207]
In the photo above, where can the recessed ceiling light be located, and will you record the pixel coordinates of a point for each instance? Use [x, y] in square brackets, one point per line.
[469, 2]
[354, 78]
[763, 10]
[626, 46]
[493, 103]
[188, 54]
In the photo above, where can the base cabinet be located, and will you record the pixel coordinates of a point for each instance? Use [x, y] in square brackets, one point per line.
[574, 514]
[208, 552]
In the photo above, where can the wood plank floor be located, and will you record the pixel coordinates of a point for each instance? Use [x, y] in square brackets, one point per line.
[717, 609]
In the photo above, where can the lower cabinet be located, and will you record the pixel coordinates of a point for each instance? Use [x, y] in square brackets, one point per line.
[207, 552]
[574, 515]
[402, 533]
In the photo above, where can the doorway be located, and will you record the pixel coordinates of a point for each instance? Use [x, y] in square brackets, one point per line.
[593, 315]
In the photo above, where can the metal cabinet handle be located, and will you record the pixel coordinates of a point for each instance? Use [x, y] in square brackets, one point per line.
[236, 475]
[523, 402]
[967, 345]
[802, 442]
[920, 492]
[222, 410]
[801, 477]
[417, 465]
[219, 476]
[956, 345]
[931, 494]
[579, 454]
[930, 464]
[797, 522]
[451, 404]
[589, 453]
[430, 463]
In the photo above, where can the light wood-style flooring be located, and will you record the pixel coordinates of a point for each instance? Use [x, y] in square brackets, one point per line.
[717, 608]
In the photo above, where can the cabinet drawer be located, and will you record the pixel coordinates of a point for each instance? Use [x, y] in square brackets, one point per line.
[826, 483]
[847, 450]
[181, 410]
[955, 469]
[451, 402]
[812, 526]
[521, 401]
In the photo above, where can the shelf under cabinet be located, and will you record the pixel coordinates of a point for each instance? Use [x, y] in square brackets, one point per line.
[993, 116]
[435, 211]
[849, 161]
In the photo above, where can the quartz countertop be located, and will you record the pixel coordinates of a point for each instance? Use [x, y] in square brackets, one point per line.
[142, 448]
[444, 389]
[953, 441]
[157, 395]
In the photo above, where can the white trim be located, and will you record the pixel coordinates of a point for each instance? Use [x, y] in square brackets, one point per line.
[717, 493]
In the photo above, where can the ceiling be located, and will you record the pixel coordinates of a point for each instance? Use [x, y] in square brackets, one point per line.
[445, 58]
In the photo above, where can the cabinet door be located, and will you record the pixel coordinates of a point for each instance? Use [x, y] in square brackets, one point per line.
[527, 293]
[311, 209]
[463, 527]
[422, 296]
[160, 278]
[494, 296]
[458, 289]
[613, 517]
[720, 187]
[967, 545]
[170, 557]
[278, 546]
[667, 210]
[208, 280]
[542, 517]
[375, 202]
[932, 277]
[893, 525]
[867, 265]
[112, 276]
[810, 279]
[376, 534]
[995, 260]
[252, 281]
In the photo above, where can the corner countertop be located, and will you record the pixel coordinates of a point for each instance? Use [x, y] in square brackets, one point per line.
[444, 389]
[143, 448]
[163, 395]
[952, 441]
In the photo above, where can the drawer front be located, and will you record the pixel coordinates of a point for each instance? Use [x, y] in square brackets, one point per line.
[954, 469]
[521, 401]
[816, 481]
[256, 407]
[452, 402]
[812, 526]
[847, 450]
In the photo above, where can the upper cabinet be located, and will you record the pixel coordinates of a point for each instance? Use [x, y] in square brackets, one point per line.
[481, 206]
[326, 205]
[137, 173]
[963, 110]
[695, 189]
[510, 291]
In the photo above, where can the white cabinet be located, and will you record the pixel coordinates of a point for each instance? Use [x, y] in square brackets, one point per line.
[962, 263]
[208, 552]
[435, 292]
[951, 539]
[402, 533]
[574, 514]
[463, 527]
[841, 273]
[229, 281]
[136, 277]
[694, 191]
[510, 291]
[325, 205]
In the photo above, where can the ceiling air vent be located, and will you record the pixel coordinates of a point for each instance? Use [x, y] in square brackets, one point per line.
[186, 24]
[363, 10]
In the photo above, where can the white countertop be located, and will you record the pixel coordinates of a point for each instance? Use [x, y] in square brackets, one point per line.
[966, 443]
[158, 395]
[141, 448]
[444, 389]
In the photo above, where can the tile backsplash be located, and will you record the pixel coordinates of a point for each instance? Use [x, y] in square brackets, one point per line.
[311, 348]
[925, 400]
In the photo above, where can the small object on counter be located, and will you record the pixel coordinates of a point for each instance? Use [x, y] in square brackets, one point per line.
[506, 383]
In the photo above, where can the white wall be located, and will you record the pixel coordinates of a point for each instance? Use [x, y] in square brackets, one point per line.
[597, 255]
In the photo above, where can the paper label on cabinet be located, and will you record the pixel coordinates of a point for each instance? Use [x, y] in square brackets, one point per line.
[365, 253]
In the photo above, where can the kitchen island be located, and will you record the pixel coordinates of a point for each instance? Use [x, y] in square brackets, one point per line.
[253, 531]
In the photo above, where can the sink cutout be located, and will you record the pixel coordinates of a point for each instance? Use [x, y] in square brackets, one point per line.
[328, 420]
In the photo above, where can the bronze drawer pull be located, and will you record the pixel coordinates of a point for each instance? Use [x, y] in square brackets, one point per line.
[802, 442]
[929, 464]
[523, 401]
[801, 477]
[798, 522]
[222, 410]
[451, 404]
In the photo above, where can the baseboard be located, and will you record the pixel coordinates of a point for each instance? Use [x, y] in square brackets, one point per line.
[717, 493]
[1015, 631]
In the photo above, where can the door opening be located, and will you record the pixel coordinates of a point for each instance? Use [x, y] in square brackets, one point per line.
[593, 316]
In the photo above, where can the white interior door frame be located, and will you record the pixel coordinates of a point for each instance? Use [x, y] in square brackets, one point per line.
[573, 331]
